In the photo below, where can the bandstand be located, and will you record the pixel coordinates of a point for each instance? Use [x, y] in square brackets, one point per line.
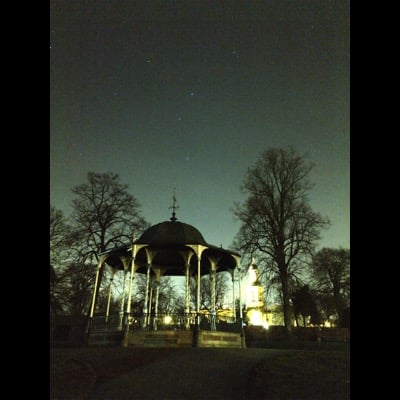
[169, 248]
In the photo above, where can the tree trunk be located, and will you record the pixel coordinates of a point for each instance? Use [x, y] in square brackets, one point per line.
[286, 305]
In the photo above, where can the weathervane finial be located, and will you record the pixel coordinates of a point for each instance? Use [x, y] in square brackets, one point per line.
[174, 207]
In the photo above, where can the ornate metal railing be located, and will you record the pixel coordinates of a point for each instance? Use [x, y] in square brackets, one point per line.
[168, 321]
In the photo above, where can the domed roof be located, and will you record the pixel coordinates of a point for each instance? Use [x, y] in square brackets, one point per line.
[171, 233]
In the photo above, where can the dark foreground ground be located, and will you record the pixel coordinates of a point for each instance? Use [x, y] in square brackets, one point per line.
[301, 371]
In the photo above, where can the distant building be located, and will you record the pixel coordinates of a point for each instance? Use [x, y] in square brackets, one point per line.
[256, 313]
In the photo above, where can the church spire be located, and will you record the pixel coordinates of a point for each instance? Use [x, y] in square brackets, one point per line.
[174, 207]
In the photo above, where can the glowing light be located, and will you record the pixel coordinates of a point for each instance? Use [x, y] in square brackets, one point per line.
[256, 317]
[254, 299]
[167, 319]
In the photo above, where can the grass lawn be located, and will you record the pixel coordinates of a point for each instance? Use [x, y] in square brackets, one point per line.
[317, 371]
[306, 373]
[75, 371]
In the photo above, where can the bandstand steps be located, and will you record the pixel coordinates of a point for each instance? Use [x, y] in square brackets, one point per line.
[160, 339]
[102, 337]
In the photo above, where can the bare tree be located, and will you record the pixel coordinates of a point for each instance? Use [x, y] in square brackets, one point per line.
[304, 305]
[326, 306]
[105, 215]
[278, 225]
[221, 289]
[78, 280]
[56, 306]
[168, 301]
[331, 277]
[61, 237]
[58, 227]
[61, 244]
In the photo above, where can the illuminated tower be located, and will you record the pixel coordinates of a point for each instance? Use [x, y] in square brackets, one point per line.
[254, 298]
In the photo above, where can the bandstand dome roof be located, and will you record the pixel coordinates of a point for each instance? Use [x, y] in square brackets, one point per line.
[171, 233]
[167, 240]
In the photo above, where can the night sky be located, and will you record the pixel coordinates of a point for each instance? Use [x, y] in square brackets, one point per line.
[187, 94]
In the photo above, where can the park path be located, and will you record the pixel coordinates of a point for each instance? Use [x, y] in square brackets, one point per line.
[188, 374]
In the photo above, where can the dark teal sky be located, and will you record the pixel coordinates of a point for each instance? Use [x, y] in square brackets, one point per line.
[187, 94]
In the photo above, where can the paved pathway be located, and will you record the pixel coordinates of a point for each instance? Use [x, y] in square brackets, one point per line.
[188, 374]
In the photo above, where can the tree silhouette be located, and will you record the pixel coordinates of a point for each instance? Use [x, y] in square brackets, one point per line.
[62, 241]
[304, 305]
[278, 225]
[331, 277]
[104, 216]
